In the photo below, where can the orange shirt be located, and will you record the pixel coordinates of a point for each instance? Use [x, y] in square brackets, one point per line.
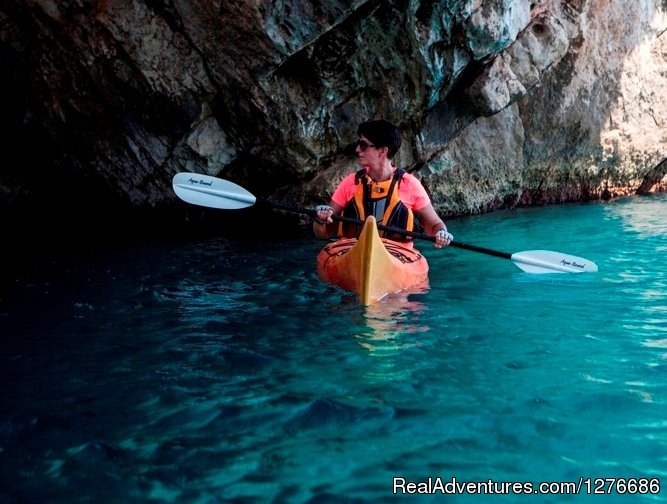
[410, 191]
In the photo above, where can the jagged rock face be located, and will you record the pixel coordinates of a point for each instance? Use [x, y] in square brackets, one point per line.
[501, 102]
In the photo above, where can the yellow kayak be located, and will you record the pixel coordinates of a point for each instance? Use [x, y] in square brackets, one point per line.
[370, 266]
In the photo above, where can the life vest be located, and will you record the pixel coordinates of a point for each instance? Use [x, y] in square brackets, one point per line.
[381, 200]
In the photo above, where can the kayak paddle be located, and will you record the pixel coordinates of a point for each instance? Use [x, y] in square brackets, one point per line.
[213, 192]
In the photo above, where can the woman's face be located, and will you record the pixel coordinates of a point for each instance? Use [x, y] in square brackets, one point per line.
[365, 149]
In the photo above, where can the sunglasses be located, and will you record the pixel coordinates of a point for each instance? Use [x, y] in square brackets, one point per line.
[363, 145]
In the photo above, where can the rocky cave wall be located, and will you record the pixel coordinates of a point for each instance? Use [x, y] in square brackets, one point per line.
[502, 103]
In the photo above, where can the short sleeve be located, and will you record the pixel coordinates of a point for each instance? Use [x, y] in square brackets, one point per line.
[345, 190]
[412, 193]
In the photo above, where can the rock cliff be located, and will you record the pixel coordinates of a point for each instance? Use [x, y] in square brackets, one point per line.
[501, 102]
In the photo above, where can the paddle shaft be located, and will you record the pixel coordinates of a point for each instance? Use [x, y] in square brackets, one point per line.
[388, 229]
[213, 192]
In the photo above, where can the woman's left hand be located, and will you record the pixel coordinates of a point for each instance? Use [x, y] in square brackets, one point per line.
[443, 238]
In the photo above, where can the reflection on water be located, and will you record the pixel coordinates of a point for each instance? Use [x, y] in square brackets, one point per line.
[394, 316]
[645, 216]
[391, 327]
[638, 257]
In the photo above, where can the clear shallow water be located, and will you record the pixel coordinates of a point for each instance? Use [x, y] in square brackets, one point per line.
[224, 371]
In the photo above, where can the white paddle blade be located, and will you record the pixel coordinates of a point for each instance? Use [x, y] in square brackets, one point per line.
[211, 192]
[546, 261]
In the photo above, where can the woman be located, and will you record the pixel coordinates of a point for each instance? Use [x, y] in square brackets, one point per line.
[395, 197]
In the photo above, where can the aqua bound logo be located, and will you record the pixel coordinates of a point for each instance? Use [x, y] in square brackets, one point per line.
[574, 264]
[199, 182]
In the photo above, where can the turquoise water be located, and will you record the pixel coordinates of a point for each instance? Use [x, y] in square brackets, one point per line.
[224, 371]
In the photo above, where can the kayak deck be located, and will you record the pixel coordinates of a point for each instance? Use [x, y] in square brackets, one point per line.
[370, 266]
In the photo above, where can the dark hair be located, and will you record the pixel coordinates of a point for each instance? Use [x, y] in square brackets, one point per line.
[383, 134]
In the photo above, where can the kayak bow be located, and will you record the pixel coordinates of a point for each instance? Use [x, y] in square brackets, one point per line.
[370, 266]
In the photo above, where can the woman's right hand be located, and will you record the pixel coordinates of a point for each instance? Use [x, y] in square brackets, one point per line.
[323, 214]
